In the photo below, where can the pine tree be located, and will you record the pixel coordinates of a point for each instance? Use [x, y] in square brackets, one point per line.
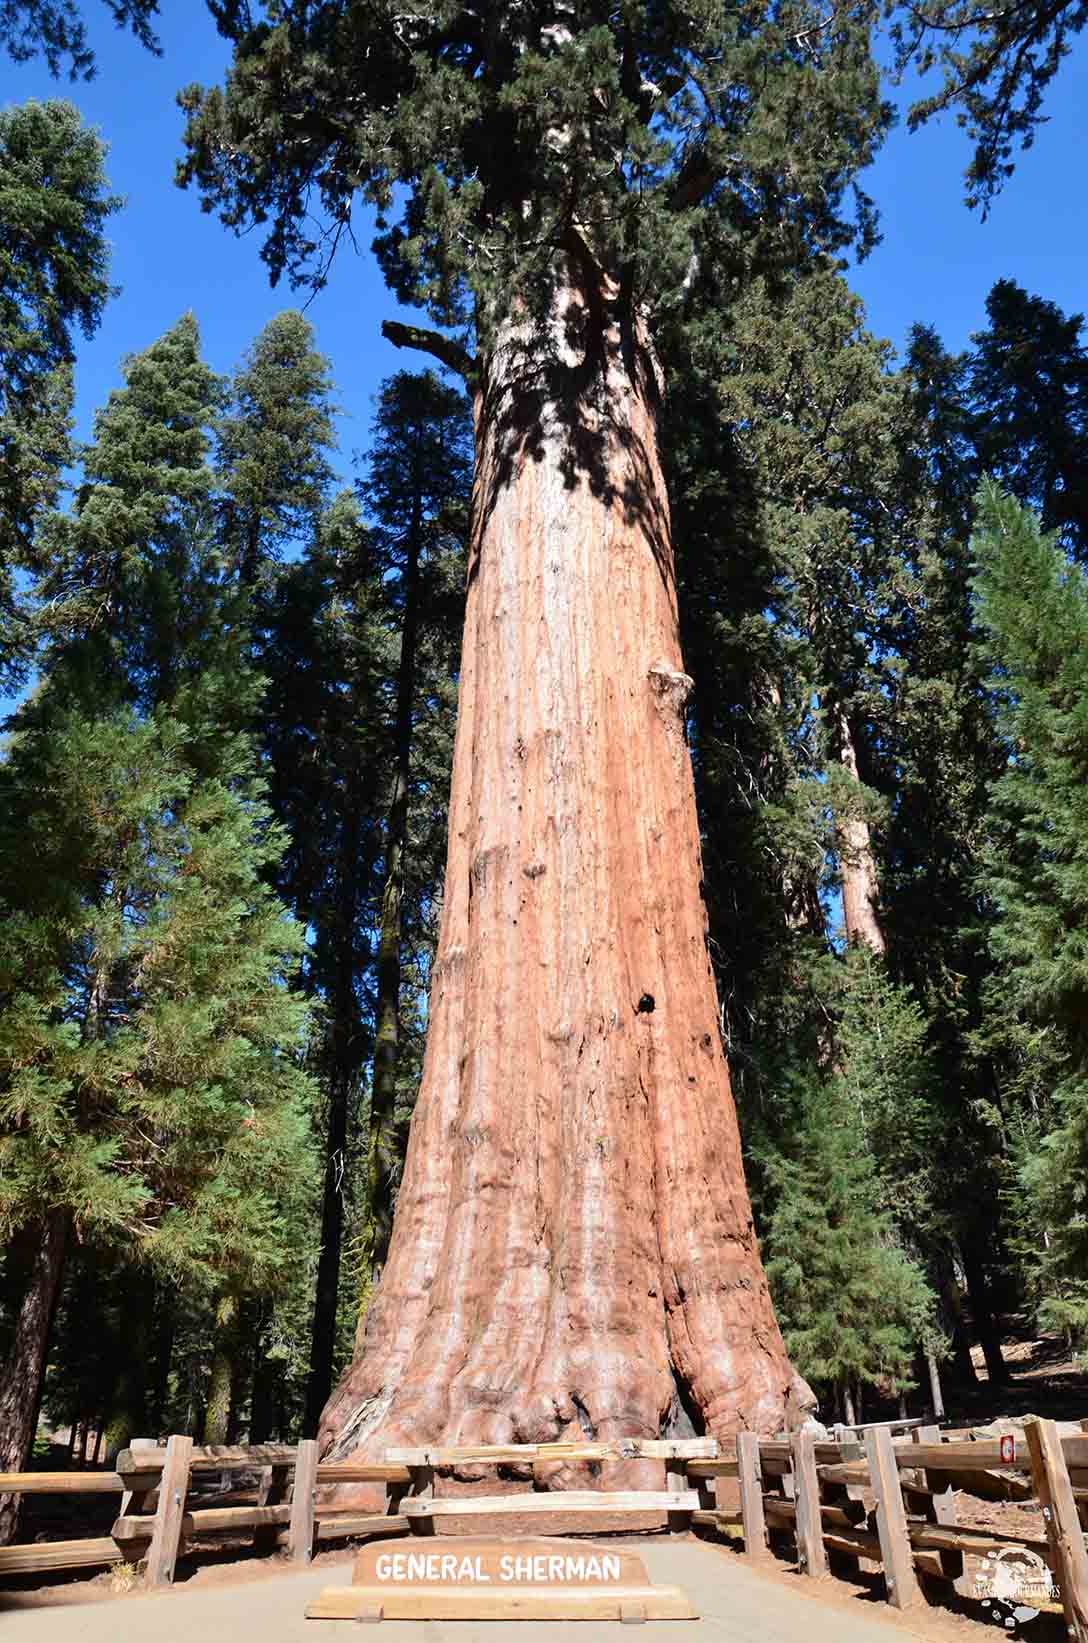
[131, 595]
[150, 1089]
[853, 1304]
[1028, 386]
[1033, 608]
[54, 205]
[853, 1196]
[272, 447]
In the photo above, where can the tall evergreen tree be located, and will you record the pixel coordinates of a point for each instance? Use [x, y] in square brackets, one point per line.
[149, 1087]
[273, 444]
[1033, 608]
[54, 205]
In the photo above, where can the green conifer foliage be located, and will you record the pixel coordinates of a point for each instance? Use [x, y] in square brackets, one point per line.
[486, 140]
[151, 1090]
[131, 590]
[272, 448]
[54, 205]
[850, 1198]
[55, 29]
[1033, 608]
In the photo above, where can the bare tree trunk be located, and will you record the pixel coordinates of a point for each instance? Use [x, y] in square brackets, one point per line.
[224, 1347]
[935, 1391]
[573, 1249]
[21, 1380]
[857, 865]
[382, 1143]
[345, 1053]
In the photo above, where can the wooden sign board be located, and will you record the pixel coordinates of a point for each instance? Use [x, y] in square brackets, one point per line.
[484, 1578]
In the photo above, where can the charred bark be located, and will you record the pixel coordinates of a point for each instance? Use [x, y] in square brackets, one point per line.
[573, 1240]
[21, 1380]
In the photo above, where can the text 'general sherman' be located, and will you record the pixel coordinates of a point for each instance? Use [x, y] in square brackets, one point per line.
[536, 1569]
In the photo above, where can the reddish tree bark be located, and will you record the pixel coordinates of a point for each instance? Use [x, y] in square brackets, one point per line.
[573, 1249]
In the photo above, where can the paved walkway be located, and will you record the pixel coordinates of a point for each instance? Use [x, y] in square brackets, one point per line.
[736, 1606]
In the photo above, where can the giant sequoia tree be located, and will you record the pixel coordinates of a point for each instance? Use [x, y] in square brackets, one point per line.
[573, 1248]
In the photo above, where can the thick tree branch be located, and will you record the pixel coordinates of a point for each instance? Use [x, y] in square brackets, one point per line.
[443, 348]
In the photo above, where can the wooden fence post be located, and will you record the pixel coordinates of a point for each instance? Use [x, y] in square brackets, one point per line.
[300, 1535]
[135, 1502]
[166, 1535]
[809, 1527]
[891, 1521]
[1050, 1477]
[750, 1474]
[936, 1505]
[272, 1491]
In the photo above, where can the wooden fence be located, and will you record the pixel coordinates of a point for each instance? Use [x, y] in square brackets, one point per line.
[163, 1506]
[813, 1491]
[801, 1486]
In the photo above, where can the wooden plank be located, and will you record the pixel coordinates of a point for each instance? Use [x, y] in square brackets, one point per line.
[300, 1537]
[556, 1500]
[60, 1483]
[831, 1517]
[891, 1521]
[210, 1457]
[964, 1538]
[212, 1520]
[57, 1554]
[721, 1468]
[811, 1558]
[750, 1474]
[892, 1426]
[368, 1471]
[166, 1534]
[505, 1453]
[341, 1525]
[1069, 1560]
[938, 1505]
[827, 1454]
[725, 1523]
[522, 1603]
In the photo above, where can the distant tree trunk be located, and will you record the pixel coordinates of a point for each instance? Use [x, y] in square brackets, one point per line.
[984, 1317]
[345, 1056]
[857, 864]
[952, 1312]
[263, 1406]
[573, 1249]
[217, 1411]
[935, 1392]
[382, 1152]
[165, 1326]
[21, 1380]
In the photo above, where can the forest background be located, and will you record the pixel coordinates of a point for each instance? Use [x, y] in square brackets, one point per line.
[911, 1099]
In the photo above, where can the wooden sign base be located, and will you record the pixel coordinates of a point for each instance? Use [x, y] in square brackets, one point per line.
[491, 1579]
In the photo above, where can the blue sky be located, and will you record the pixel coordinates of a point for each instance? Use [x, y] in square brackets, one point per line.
[936, 263]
